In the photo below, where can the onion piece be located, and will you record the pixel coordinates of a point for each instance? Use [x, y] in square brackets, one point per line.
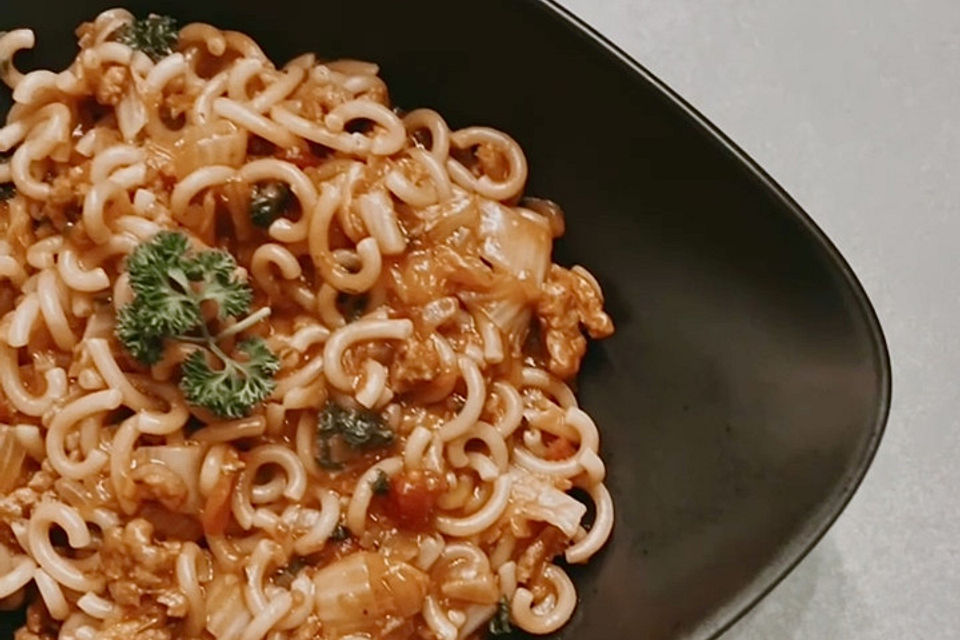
[131, 115]
[533, 497]
[355, 592]
[227, 615]
[217, 143]
[12, 455]
[517, 241]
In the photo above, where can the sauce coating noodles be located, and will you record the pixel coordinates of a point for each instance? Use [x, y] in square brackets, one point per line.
[404, 469]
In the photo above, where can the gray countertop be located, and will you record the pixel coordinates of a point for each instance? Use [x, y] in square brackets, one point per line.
[854, 107]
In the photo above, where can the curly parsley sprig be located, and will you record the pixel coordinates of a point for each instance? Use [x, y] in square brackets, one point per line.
[358, 429]
[154, 35]
[171, 283]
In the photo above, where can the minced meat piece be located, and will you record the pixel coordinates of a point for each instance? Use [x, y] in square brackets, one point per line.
[135, 564]
[568, 303]
[110, 89]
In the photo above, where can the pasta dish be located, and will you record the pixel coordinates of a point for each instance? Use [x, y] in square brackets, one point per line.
[279, 360]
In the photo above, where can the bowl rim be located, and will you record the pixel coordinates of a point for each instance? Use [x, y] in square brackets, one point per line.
[810, 533]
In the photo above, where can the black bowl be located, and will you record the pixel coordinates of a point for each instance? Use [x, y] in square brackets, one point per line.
[745, 391]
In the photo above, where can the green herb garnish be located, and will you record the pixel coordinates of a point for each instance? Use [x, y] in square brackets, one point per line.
[170, 284]
[340, 533]
[359, 429]
[381, 484]
[352, 306]
[500, 622]
[154, 35]
[284, 577]
[235, 389]
[7, 191]
[268, 200]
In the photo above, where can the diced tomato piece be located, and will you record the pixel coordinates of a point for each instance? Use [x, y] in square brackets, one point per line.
[413, 497]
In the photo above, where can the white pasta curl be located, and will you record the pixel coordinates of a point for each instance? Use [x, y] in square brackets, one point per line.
[363, 492]
[61, 569]
[565, 600]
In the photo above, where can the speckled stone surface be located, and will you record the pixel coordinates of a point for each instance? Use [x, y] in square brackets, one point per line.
[854, 107]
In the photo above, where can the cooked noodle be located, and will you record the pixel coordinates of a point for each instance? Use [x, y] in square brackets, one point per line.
[406, 470]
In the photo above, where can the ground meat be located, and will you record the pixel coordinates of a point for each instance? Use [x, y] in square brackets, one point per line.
[39, 624]
[416, 361]
[568, 302]
[43, 480]
[18, 228]
[136, 565]
[71, 184]
[111, 86]
[147, 623]
[318, 100]
[17, 504]
[25, 634]
[177, 104]
[128, 630]
[492, 162]
[157, 482]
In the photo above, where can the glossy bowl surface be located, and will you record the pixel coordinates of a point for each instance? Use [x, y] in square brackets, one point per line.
[745, 391]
